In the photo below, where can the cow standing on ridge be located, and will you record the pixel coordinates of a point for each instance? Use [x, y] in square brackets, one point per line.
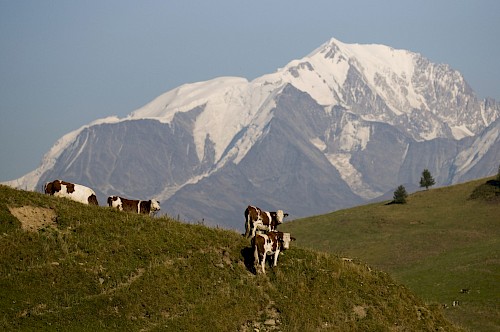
[270, 243]
[73, 191]
[134, 205]
[257, 219]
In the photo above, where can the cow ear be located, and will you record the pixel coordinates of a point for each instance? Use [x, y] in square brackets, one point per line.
[292, 238]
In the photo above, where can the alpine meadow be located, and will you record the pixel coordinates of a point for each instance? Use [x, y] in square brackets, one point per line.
[443, 244]
[74, 267]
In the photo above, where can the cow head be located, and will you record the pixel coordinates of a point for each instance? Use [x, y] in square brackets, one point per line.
[280, 216]
[155, 205]
[286, 240]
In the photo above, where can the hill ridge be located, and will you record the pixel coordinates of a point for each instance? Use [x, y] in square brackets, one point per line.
[106, 269]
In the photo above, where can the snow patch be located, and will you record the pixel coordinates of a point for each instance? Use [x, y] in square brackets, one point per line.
[318, 142]
[460, 132]
[353, 178]
[231, 104]
[469, 157]
[354, 136]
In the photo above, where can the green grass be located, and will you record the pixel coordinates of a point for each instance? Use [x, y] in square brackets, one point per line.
[442, 241]
[101, 269]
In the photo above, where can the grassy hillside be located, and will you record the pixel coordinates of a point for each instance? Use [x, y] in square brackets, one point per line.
[437, 244]
[67, 266]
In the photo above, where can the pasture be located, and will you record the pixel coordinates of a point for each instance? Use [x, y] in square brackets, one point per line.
[87, 268]
[442, 245]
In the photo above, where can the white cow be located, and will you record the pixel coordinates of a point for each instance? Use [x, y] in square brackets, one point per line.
[73, 191]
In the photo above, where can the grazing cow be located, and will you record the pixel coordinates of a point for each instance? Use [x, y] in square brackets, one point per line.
[270, 243]
[73, 191]
[134, 205]
[257, 219]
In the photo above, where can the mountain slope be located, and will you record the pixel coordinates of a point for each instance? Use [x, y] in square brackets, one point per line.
[95, 268]
[437, 244]
[343, 125]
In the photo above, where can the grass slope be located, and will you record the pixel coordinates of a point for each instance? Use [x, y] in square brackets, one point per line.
[100, 269]
[437, 244]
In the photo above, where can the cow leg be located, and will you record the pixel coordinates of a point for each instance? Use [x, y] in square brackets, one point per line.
[247, 227]
[276, 254]
[263, 263]
[257, 259]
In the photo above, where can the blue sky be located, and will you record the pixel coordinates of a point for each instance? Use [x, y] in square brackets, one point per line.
[65, 63]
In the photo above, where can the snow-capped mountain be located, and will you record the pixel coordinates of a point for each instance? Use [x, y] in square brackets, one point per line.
[341, 126]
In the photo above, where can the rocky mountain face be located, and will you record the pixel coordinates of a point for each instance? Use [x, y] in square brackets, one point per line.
[342, 126]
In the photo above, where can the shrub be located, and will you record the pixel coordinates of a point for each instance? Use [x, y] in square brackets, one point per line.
[400, 195]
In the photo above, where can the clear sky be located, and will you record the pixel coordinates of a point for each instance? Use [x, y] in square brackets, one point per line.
[66, 63]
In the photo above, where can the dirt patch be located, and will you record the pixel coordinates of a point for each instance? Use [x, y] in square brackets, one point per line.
[359, 311]
[34, 218]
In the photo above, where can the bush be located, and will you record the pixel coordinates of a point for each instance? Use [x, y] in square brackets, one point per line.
[489, 191]
[400, 195]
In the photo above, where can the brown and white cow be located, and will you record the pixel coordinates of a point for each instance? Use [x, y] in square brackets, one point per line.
[73, 191]
[270, 243]
[134, 205]
[257, 219]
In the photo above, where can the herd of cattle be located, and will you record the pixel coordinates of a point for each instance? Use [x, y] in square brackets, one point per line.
[260, 225]
[85, 195]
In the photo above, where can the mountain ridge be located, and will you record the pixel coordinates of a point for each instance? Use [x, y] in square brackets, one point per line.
[359, 113]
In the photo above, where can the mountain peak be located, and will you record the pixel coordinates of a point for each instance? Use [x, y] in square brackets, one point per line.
[341, 125]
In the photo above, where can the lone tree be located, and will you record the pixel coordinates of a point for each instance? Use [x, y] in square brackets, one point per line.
[400, 195]
[426, 180]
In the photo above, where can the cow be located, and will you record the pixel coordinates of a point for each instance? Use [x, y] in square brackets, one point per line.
[257, 219]
[270, 243]
[133, 205]
[73, 191]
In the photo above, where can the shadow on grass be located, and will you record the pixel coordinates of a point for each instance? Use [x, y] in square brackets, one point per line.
[494, 183]
[248, 259]
[393, 202]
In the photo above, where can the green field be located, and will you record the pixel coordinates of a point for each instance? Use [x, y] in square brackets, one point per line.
[70, 267]
[440, 243]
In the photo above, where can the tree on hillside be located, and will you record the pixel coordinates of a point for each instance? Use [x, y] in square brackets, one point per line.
[498, 174]
[400, 195]
[426, 180]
